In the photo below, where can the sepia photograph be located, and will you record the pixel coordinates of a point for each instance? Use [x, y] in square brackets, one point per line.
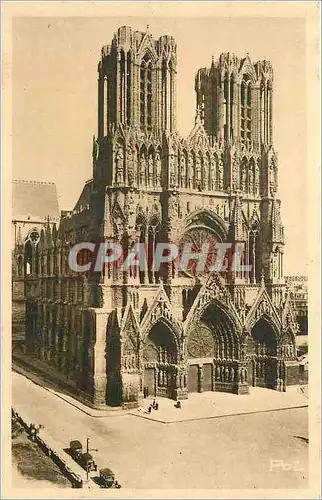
[160, 172]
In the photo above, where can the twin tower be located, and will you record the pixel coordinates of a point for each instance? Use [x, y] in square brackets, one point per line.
[137, 88]
[227, 165]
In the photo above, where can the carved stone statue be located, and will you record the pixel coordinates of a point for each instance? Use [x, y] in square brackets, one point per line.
[220, 174]
[131, 211]
[256, 182]
[235, 171]
[272, 177]
[205, 174]
[182, 171]
[250, 179]
[158, 170]
[142, 169]
[243, 176]
[198, 171]
[172, 170]
[191, 172]
[172, 179]
[119, 165]
[130, 172]
[136, 167]
[212, 181]
[150, 170]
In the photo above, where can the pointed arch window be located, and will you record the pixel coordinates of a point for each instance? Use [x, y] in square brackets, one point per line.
[226, 85]
[122, 76]
[146, 94]
[128, 89]
[231, 105]
[214, 107]
[164, 93]
[28, 258]
[31, 243]
[246, 110]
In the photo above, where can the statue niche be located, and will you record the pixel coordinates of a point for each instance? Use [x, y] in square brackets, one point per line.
[142, 178]
[158, 169]
[119, 166]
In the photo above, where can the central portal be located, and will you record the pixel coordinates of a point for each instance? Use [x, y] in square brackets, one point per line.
[160, 362]
[213, 353]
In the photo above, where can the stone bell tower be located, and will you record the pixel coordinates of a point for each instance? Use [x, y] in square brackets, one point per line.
[235, 98]
[136, 98]
[137, 83]
[235, 104]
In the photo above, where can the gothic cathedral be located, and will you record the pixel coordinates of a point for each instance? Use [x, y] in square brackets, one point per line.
[116, 334]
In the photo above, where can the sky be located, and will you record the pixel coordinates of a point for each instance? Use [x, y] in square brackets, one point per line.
[54, 97]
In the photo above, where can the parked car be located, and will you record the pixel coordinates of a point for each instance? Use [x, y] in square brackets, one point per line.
[107, 478]
[76, 449]
[87, 462]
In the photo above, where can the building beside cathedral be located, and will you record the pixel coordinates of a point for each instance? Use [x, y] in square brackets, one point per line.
[34, 207]
[299, 290]
[114, 333]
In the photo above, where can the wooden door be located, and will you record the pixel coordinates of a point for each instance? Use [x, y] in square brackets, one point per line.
[193, 378]
[207, 377]
[149, 381]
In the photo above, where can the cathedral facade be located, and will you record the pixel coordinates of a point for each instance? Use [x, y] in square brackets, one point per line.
[116, 334]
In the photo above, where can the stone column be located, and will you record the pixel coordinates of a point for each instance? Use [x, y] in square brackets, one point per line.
[228, 108]
[118, 87]
[235, 111]
[221, 108]
[146, 241]
[153, 249]
[254, 258]
[271, 117]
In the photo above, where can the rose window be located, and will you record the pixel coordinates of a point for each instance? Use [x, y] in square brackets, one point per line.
[34, 237]
[195, 238]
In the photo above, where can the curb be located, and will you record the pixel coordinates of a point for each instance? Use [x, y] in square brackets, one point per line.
[193, 419]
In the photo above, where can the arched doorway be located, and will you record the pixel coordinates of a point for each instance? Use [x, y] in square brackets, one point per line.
[262, 355]
[213, 352]
[160, 355]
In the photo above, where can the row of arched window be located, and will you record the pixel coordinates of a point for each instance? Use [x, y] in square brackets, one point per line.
[236, 98]
[66, 290]
[125, 94]
[49, 262]
[59, 339]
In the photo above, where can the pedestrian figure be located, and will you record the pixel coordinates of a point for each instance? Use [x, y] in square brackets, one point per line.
[153, 404]
[156, 407]
[150, 409]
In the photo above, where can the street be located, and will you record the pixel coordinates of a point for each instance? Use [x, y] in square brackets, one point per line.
[259, 450]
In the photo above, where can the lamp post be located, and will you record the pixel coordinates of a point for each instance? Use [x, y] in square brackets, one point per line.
[88, 449]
